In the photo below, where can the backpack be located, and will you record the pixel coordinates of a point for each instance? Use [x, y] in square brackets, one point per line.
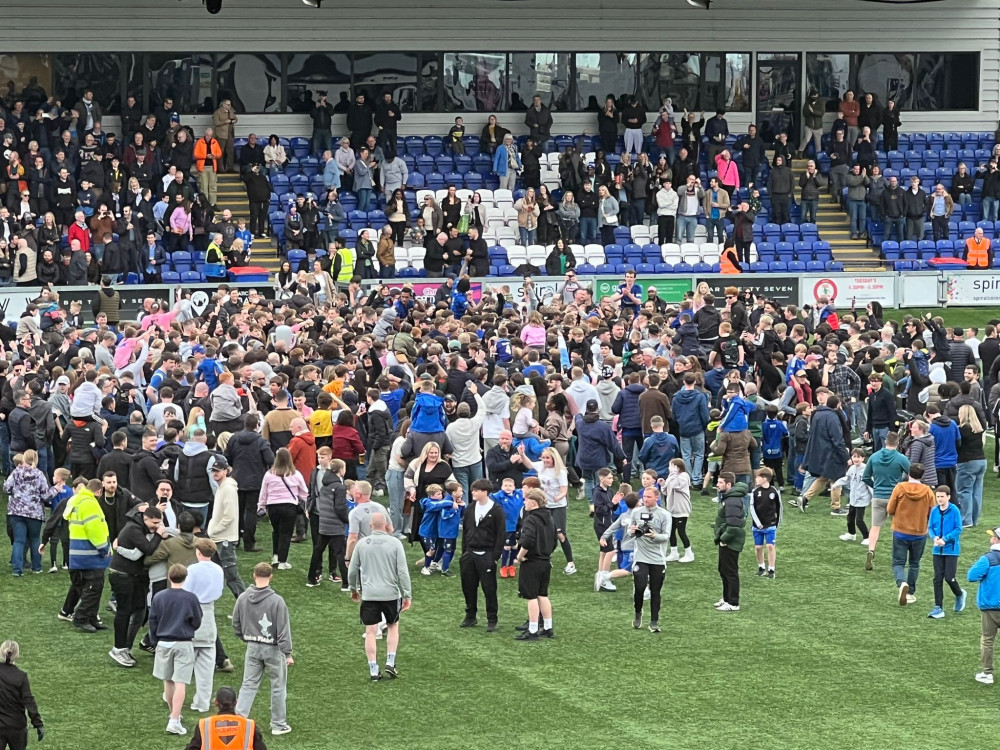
[730, 353]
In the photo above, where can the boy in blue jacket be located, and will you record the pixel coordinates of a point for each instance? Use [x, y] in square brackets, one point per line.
[432, 506]
[659, 449]
[736, 410]
[511, 500]
[986, 571]
[944, 527]
[448, 525]
[428, 410]
[947, 438]
[772, 432]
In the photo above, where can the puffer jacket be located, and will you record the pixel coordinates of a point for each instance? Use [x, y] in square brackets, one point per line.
[331, 504]
[921, 451]
[626, 406]
[251, 456]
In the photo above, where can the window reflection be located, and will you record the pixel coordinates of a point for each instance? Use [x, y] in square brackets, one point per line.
[187, 79]
[543, 73]
[312, 72]
[27, 71]
[98, 71]
[387, 72]
[252, 82]
[474, 81]
[601, 73]
[430, 77]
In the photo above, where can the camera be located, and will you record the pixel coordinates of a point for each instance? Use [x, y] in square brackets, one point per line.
[642, 524]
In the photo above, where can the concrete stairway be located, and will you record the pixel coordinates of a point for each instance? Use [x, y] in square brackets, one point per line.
[834, 228]
[232, 195]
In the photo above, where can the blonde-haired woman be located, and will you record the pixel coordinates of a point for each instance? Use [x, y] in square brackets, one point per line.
[21, 701]
[28, 491]
[282, 493]
[553, 477]
[971, 467]
[427, 468]
[237, 253]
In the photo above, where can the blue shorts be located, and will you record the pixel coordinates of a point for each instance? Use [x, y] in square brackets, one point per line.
[446, 545]
[625, 560]
[764, 536]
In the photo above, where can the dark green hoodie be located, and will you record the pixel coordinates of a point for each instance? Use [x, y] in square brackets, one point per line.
[729, 520]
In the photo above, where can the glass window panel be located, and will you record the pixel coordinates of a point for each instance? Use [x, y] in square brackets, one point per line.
[28, 76]
[829, 75]
[601, 73]
[737, 82]
[778, 79]
[885, 76]
[543, 73]
[474, 82]
[101, 72]
[186, 78]
[134, 83]
[946, 81]
[312, 72]
[387, 72]
[430, 77]
[252, 82]
[674, 74]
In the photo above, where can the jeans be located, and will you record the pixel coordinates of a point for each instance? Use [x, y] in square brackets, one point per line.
[969, 485]
[693, 453]
[282, 516]
[27, 531]
[337, 547]
[990, 206]
[879, 435]
[631, 444]
[904, 550]
[378, 464]
[686, 226]
[364, 198]
[895, 225]
[589, 477]
[964, 199]
[130, 601]
[394, 485]
[226, 552]
[320, 140]
[809, 209]
[588, 230]
[528, 236]
[856, 211]
[716, 226]
[6, 461]
[466, 475]
[260, 657]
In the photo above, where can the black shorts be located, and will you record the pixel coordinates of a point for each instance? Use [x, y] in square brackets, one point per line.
[372, 612]
[533, 580]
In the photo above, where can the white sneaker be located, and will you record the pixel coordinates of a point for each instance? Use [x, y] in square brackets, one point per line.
[986, 679]
[848, 537]
[911, 599]
[688, 556]
[864, 542]
[284, 566]
[174, 726]
[274, 559]
[608, 586]
[122, 657]
[598, 580]
[435, 566]
[281, 729]
[570, 569]
[729, 607]
[54, 569]
[719, 603]
[646, 595]
[425, 571]
[673, 556]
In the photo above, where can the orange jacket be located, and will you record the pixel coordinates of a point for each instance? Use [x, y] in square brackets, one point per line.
[977, 254]
[726, 265]
[201, 152]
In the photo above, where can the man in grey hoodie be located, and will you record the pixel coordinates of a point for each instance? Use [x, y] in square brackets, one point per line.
[260, 619]
[380, 579]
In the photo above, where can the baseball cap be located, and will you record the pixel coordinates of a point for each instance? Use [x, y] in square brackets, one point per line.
[995, 531]
[62, 380]
[221, 464]
[607, 372]
[592, 406]
[455, 344]
[450, 398]
[198, 349]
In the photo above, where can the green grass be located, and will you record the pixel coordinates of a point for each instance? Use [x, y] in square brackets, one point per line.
[823, 656]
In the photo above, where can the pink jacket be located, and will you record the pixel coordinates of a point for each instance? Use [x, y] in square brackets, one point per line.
[274, 492]
[533, 336]
[181, 219]
[729, 174]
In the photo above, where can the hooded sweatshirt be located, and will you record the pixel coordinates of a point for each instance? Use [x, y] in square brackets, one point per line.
[607, 391]
[947, 438]
[737, 416]
[428, 413]
[261, 616]
[910, 506]
[691, 412]
[884, 470]
[658, 450]
[496, 405]
[385, 324]
[921, 451]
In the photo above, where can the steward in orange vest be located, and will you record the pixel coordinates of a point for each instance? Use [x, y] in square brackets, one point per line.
[226, 730]
[729, 262]
[978, 251]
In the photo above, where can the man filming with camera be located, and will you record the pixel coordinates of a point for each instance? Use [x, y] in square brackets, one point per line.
[651, 529]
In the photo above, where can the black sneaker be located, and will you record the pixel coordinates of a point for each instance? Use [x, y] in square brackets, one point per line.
[527, 636]
[523, 627]
[637, 621]
[770, 574]
[376, 677]
[312, 584]
[550, 633]
[469, 622]
[654, 627]
[761, 571]
[391, 671]
[446, 573]
[99, 625]
[149, 648]
[491, 627]
[86, 627]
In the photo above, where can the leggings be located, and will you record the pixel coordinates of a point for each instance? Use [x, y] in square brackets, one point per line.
[945, 567]
[679, 529]
[282, 516]
[646, 574]
[856, 520]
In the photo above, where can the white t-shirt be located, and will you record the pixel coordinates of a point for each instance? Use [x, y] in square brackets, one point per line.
[482, 509]
[973, 343]
[493, 423]
[552, 484]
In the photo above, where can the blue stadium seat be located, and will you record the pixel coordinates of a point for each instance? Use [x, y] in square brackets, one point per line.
[473, 181]
[508, 270]
[472, 145]
[434, 145]
[587, 268]
[777, 266]
[605, 268]
[192, 277]
[702, 267]
[415, 145]
[645, 268]
[660, 268]
[436, 181]
[966, 229]
[454, 178]
[444, 164]
[425, 164]
[814, 266]
[945, 249]
[684, 268]
[170, 277]
[309, 167]
[463, 164]
[796, 266]
[835, 266]
[908, 248]
[377, 219]
[785, 250]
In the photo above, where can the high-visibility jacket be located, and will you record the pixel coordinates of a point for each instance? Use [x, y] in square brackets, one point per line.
[226, 732]
[726, 265]
[977, 254]
[203, 149]
[89, 543]
[346, 266]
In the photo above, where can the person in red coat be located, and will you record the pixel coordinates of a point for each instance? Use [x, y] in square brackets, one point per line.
[347, 445]
[302, 446]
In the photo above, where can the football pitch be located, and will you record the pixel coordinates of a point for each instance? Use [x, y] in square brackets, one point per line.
[822, 656]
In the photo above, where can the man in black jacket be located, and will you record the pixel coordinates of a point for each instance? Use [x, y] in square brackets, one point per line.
[251, 456]
[588, 201]
[129, 577]
[387, 117]
[359, 121]
[258, 194]
[504, 461]
[145, 473]
[538, 118]
[322, 117]
[483, 534]
[537, 541]
[751, 146]
[915, 208]
[881, 412]
[117, 460]
[893, 205]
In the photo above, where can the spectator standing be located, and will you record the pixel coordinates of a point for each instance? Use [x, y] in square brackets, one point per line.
[730, 536]
[16, 700]
[910, 507]
[224, 121]
[537, 542]
[538, 119]
[986, 572]
[322, 117]
[483, 534]
[205, 581]
[282, 493]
